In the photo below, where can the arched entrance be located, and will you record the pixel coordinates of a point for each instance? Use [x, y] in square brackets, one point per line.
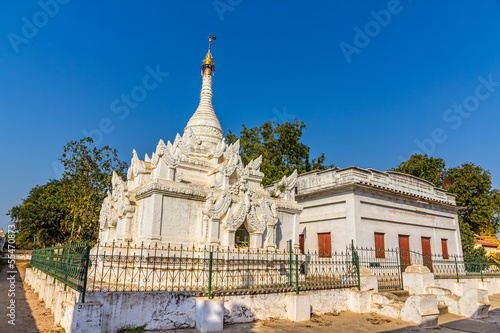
[242, 237]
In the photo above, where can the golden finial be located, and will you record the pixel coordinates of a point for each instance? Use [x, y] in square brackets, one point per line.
[208, 66]
[210, 38]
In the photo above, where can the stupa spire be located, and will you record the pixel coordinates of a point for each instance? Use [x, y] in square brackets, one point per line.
[204, 122]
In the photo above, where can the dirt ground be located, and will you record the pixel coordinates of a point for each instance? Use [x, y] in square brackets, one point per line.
[30, 313]
[31, 316]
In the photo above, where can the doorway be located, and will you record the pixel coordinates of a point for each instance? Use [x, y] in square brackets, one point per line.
[404, 246]
[427, 253]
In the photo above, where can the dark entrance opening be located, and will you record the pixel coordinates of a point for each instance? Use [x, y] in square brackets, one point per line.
[242, 237]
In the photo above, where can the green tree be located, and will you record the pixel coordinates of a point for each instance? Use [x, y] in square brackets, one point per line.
[39, 219]
[471, 184]
[88, 172]
[431, 169]
[68, 209]
[280, 147]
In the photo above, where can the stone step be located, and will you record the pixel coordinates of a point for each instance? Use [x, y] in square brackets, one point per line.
[442, 308]
[399, 293]
[392, 310]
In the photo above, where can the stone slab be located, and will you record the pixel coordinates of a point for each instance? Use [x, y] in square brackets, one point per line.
[209, 315]
[298, 307]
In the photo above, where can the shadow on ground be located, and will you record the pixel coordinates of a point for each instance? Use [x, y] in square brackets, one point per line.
[24, 321]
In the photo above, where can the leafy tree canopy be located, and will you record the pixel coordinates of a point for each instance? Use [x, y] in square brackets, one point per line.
[40, 217]
[68, 209]
[88, 172]
[429, 168]
[471, 184]
[280, 147]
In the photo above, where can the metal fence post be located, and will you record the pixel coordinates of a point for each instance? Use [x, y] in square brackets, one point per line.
[400, 259]
[297, 274]
[355, 258]
[66, 269]
[291, 258]
[85, 272]
[210, 276]
[481, 268]
[456, 268]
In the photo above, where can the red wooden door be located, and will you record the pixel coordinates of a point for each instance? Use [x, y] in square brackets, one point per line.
[404, 245]
[426, 252]
[444, 248]
[301, 243]
[379, 245]
[324, 245]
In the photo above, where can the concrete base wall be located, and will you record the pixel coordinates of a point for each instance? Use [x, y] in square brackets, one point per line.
[114, 311]
[492, 285]
[60, 302]
[173, 310]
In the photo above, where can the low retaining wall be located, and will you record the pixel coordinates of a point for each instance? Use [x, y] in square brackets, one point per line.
[458, 288]
[173, 310]
[112, 311]
[61, 302]
[159, 310]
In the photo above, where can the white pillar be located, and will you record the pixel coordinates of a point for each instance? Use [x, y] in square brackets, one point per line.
[298, 307]
[416, 278]
[255, 240]
[209, 314]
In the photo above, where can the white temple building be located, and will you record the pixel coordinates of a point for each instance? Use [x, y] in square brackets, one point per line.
[378, 210]
[197, 191]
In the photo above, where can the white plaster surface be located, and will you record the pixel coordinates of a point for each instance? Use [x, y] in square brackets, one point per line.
[416, 279]
[474, 303]
[354, 203]
[209, 314]
[298, 307]
[360, 301]
[421, 310]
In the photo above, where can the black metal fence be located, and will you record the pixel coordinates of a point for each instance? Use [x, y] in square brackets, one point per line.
[385, 264]
[460, 267]
[67, 263]
[212, 270]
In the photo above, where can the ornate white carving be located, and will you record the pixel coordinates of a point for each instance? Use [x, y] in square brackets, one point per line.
[255, 224]
[217, 210]
[285, 187]
[136, 169]
[106, 215]
[269, 213]
[120, 196]
[219, 149]
[255, 164]
[116, 205]
[163, 152]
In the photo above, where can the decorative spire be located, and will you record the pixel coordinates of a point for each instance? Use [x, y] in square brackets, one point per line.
[208, 66]
[204, 122]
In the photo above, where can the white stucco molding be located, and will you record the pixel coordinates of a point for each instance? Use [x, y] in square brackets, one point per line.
[291, 208]
[316, 183]
[171, 189]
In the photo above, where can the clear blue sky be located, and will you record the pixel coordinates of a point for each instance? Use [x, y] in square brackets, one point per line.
[367, 98]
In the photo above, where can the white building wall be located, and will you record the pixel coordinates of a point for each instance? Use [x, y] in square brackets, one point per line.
[356, 213]
[325, 214]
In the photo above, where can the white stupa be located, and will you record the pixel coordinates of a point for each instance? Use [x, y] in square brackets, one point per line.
[197, 191]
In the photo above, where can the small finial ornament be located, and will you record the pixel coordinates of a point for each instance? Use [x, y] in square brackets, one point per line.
[208, 66]
[210, 38]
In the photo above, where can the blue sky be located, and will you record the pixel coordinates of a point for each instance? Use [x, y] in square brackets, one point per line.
[373, 80]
